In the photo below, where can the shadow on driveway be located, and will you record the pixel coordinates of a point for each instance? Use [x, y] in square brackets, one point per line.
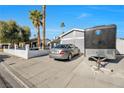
[66, 60]
[2, 57]
[108, 61]
[116, 61]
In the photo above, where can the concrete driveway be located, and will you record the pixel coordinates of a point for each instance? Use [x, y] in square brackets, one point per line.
[46, 72]
[43, 71]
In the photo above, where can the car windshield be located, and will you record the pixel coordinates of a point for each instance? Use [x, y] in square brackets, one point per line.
[62, 46]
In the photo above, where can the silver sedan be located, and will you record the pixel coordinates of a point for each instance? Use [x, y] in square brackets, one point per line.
[64, 51]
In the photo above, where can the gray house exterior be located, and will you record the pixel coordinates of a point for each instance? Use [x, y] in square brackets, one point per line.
[33, 42]
[73, 36]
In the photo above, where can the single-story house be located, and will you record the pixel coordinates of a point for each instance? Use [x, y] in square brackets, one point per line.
[4, 45]
[33, 42]
[54, 42]
[73, 36]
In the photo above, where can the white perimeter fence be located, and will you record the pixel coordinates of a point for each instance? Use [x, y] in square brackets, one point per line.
[26, 53]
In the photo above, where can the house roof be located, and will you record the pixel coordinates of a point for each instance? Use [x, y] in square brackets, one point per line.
[35, 39]
[74, 29]
[101, 27]
[58, 38]
[55, 40]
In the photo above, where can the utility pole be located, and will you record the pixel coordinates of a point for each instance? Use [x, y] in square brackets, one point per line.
[43, 25]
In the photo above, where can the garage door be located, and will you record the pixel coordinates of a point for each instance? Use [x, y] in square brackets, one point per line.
[79, 42]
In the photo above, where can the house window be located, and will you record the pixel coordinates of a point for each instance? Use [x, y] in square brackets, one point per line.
[98, 32]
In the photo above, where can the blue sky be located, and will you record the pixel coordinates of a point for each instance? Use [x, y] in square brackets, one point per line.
[74, 16]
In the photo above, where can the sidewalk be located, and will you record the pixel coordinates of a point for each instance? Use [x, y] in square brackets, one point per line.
[46, 72]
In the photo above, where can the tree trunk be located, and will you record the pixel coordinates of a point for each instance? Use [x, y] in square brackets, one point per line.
[38, 37]
[43, 24]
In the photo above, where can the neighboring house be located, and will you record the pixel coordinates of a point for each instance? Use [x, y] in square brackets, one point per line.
[54, 42]
[4, 45]
[33, 42]
[120, 46]
[73, 36]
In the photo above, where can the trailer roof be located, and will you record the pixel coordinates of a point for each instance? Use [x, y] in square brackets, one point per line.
[101, 27]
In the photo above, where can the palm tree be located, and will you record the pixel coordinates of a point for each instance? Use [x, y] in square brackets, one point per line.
[36, 18]
[62, 25]
[43, 25]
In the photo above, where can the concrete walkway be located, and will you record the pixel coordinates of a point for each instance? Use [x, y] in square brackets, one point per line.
[46, 72]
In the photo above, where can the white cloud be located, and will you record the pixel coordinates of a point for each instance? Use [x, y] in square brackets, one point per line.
[83, 15]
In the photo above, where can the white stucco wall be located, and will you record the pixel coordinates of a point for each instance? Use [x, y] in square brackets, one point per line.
[26, 54]
[18, 53]
[35, 53]
[120, 46]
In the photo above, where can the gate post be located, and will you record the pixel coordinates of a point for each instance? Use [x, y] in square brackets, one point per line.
[27, 50]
